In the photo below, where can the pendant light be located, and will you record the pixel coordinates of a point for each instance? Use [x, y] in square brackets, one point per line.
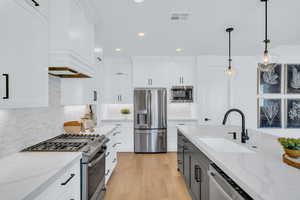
[266, 65]
[229, 70]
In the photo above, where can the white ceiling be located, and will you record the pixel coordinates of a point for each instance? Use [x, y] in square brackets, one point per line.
[204, 31]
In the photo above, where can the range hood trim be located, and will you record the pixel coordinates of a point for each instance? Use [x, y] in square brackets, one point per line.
[75, 74]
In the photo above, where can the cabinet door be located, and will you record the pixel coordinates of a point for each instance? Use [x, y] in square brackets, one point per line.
[126, 138]
[150, 71]
[180, 145]
[118, 81]
[196, 178]
[78, 91]
[186, 163]
[172, 138]
[23, 56]
[182, 70]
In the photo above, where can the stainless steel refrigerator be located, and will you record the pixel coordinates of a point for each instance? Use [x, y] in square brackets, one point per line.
[150, 120]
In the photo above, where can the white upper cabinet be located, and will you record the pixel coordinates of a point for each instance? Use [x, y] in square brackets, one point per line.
[118, 81]
[163, 71]
[71, 36]
[150, 71]
[182, 70]
[79, 91]
[23, 55]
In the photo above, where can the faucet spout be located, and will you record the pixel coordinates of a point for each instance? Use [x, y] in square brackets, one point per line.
[244, 133]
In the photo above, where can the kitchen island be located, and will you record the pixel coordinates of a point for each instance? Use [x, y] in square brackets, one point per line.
[259, 172]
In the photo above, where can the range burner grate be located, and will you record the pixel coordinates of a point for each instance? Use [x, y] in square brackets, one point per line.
[57, 146]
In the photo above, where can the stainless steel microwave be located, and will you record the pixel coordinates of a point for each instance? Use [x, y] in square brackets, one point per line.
[182, 94]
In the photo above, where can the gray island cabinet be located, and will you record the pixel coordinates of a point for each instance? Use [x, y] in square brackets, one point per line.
[193, 165]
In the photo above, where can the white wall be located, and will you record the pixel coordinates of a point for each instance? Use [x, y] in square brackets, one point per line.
[20, 128]
[244, 87]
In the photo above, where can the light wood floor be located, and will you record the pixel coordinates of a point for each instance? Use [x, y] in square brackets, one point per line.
[146, 177]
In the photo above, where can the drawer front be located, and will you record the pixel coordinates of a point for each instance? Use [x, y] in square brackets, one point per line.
[68, 181]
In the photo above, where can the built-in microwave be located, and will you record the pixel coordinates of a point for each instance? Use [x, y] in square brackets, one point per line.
[182, 94]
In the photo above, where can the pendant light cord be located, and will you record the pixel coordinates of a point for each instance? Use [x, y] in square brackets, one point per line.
[266, 26]
[229, 30]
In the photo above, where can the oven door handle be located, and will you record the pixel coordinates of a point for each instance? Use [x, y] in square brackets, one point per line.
[94, 162]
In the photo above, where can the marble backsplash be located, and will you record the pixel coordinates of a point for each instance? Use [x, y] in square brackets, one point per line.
[20, 128]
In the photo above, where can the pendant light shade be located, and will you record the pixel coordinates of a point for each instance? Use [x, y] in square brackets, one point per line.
[266, 65]
[229, 70]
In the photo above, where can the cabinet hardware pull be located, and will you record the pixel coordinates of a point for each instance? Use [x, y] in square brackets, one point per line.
[35, 3]
[207, 119]
[114, 160]
[7, 86]
[107, 154]
[95, 95]
[107, 172]
[67, 181]
[120, 97]
[198, 173]
[114, 145]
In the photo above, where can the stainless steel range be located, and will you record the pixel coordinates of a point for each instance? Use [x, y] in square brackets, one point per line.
[93, 148]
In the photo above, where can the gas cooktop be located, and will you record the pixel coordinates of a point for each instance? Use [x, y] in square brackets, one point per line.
[66, 143]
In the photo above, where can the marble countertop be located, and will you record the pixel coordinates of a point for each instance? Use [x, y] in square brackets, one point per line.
[25, 175]
[262, 174]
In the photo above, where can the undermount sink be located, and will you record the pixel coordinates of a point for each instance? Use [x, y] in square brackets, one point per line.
[223, 145]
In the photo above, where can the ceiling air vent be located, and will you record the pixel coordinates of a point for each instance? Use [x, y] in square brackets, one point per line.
[180, 16]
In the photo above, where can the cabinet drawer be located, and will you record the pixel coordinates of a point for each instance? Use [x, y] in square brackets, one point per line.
[67, 183]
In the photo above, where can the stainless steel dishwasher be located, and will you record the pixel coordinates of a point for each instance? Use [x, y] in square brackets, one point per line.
[222, 187]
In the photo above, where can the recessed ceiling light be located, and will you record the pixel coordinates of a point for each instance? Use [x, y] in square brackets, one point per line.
[98, 50]
[118, 49]
[141, 34]
[178, 49]
[138, 1]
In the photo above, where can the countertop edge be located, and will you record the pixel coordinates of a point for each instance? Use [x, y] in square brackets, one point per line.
[241, 183]
[41, 188]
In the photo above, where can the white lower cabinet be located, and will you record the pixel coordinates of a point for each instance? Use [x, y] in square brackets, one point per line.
[65, 187]
[111, 152]
[125, 139]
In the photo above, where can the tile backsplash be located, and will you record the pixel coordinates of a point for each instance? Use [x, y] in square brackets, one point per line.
[20, 128]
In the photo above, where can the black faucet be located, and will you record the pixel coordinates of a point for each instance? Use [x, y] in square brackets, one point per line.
[244, 133]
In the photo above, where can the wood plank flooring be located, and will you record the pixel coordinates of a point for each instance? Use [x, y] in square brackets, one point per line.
[146, 177]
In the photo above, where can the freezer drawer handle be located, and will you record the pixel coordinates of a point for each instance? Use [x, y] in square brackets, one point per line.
[35, 3]
[68, 180]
